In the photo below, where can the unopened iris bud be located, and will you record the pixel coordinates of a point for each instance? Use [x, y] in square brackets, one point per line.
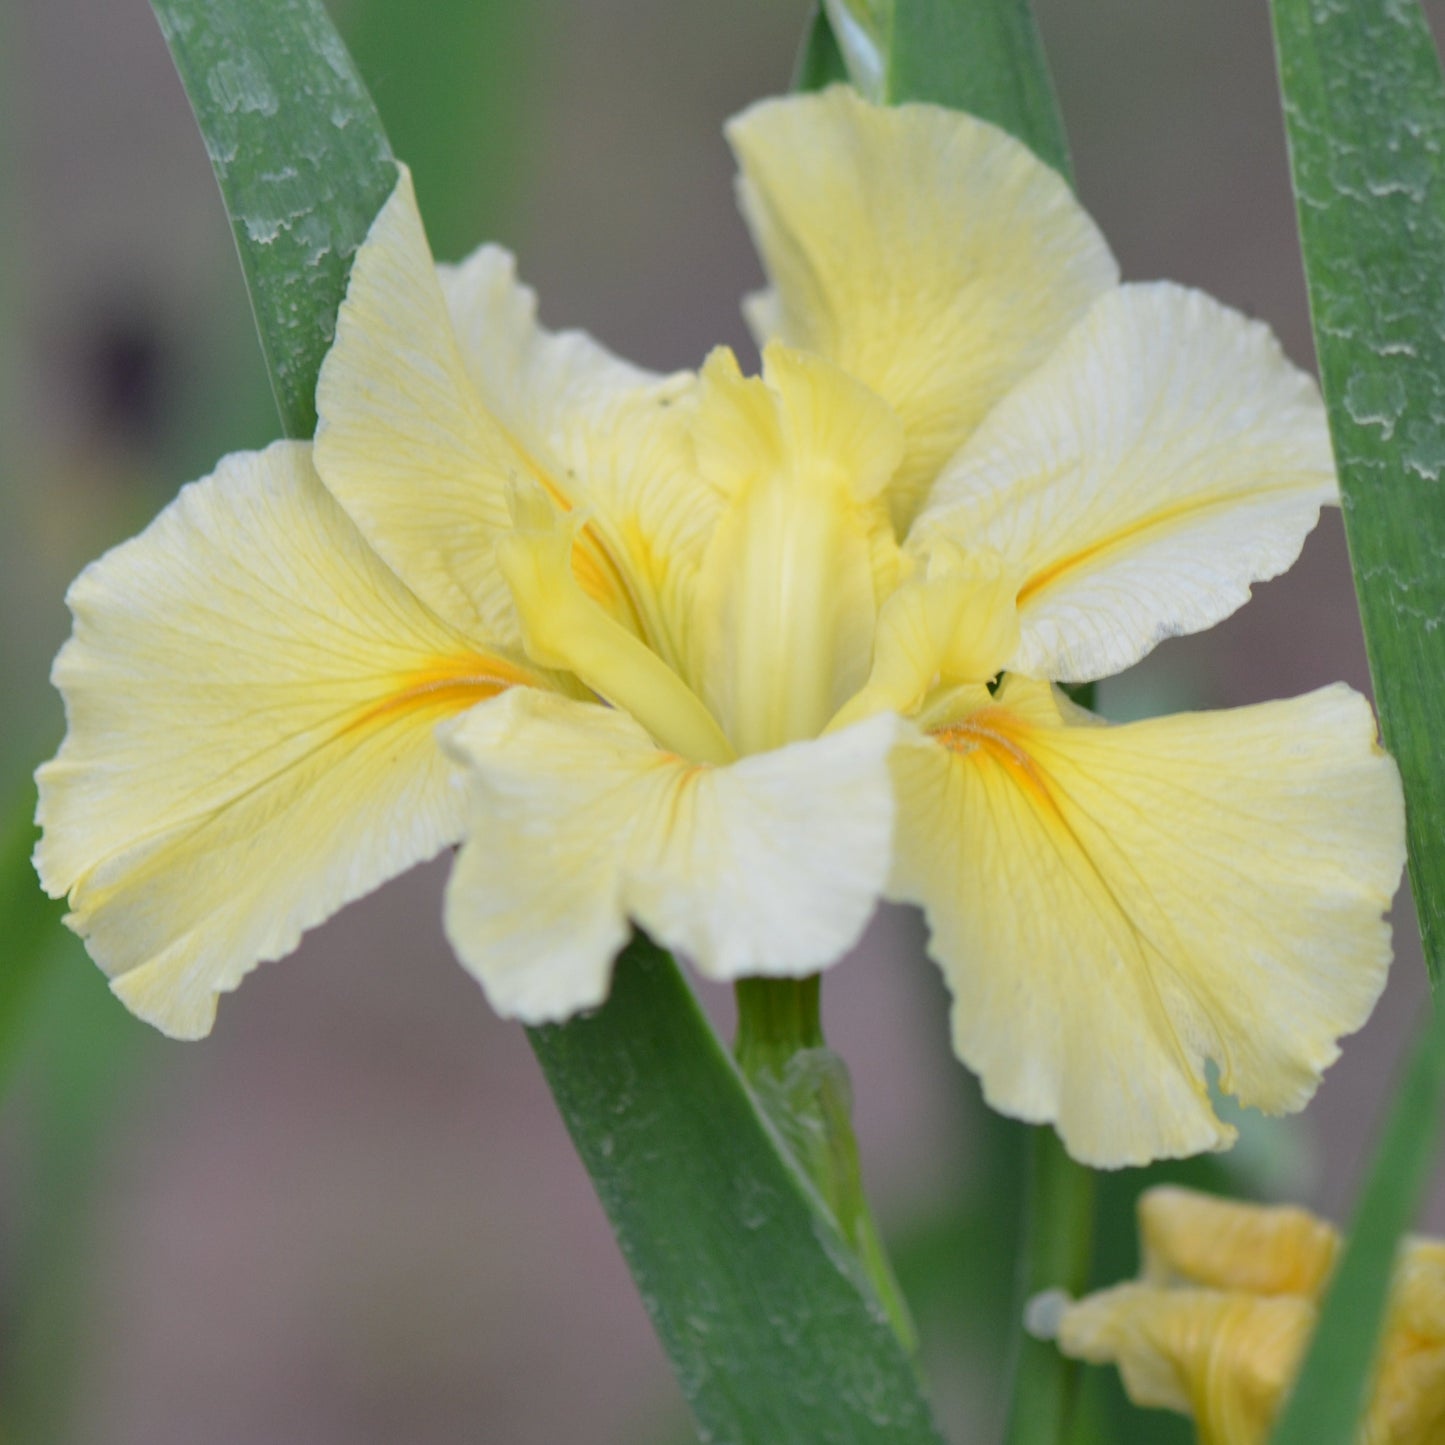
[1218, 1324]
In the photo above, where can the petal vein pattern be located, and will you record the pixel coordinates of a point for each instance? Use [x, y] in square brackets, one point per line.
[1113, 906]
[251, 697]
[1165, 457]
[927, 253]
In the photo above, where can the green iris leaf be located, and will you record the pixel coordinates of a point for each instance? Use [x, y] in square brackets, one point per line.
[302, 161]
[774, 1332]
[767, 1315]
[982, 56]
[1364, 107]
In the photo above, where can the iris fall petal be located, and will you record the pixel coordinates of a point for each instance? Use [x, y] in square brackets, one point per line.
[252, 698]
[1113, 906]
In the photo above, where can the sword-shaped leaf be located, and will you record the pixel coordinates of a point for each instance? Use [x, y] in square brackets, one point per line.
[773, 1332]
[1364, 106]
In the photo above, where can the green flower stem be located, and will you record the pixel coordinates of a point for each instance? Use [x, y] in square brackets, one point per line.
[776, 1018]
[1058, 1251]
[802, 1087]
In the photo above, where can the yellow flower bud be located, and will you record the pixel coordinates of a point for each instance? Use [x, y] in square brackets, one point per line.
[1218, 1324]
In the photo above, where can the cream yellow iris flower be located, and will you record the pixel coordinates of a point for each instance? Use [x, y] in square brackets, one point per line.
[718, 655]
[1217, 1325]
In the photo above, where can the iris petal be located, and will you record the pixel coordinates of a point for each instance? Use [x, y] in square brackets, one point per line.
[1164, 458]
[582, 826]
[1113, 906]
[252, 697]
[926, 252]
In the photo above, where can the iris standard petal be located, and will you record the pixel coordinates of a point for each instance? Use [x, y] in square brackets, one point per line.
[1166, 456]
[926, 252]
[251, 697]
[787, 594]
[1113, 906]
[412, 449]
[580, 827]
[602, 435]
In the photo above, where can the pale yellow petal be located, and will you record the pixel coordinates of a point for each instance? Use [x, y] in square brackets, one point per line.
[952, 625]
[1218, 1326]
[1163, 459]
[926, 252]
[410, 446]
[1186, 1237]
[834, 427]
[565, 628]
[787, 595]
[605, 435]
[1407, 1406]
[1224, 1359]
[251, 697]
[543, 382]
[1113, 906]
[580, 826]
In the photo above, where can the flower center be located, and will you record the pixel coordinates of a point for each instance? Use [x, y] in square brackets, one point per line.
[564, 628]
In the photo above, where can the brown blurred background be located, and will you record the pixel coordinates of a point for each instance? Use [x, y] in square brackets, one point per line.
[352, 1215]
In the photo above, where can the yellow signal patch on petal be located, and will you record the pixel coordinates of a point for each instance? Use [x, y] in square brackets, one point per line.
[580, 826]
[926, 252]
[1166, 456]
[251, 697]
[1113, 906]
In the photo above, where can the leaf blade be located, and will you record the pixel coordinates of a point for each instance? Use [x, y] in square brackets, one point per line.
[1370, 187]
[819, 61]
[852, 1376]
[29, 924]
[722, 1237]
[1364, 105]
[982, 56]
[302, 162]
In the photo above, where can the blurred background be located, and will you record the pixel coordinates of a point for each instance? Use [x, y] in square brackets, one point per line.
[353, 1214]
